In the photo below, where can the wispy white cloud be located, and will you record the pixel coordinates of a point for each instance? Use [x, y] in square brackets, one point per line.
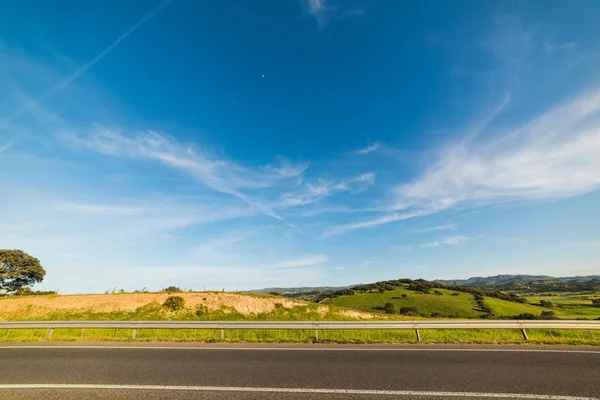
[6, 146]
[322, 11]
[386, 219]
[98, 209]
[216, 245]
[304, 261]
[448, 240]
[448, 227]
[369, 149]
[221, 175]
[63, 84]
[551, 49]
[288, 169]
[552, 156]
[318, 9]
[316, 190]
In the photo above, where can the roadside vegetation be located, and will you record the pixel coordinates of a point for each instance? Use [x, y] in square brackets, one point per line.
[447, 336]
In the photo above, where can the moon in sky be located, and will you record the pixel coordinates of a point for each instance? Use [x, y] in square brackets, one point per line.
[263, 75]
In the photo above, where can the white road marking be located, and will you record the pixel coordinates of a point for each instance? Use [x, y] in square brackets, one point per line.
[294, 390]
[541, 350]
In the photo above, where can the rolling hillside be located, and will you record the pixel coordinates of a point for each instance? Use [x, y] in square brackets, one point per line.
[451, 304]
[448, 305]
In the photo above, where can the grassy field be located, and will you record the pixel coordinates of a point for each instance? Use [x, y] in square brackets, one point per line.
[448, 305]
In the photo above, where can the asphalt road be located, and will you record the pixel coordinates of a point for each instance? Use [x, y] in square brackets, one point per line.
[280, 373]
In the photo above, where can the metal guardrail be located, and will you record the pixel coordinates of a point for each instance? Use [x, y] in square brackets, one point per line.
[415, 325]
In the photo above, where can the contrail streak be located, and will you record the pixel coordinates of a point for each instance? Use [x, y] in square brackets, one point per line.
[83, 69]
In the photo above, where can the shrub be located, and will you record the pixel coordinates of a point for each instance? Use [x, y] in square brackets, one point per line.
[404, 295]
[596, 302]
[455, 294]
[486, 309]
[438, 293]
[409, 311]
[275, 293]
[548, 315]
[28, 292]
[524, 316]
[201, 310]
[174, 303]
[389, 308]
[546, 303]
[435, 315]
[173, 289]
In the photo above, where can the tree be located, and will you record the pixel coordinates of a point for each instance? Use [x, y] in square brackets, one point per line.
[18, 270]
[389, 308]
[596, 302]
[409, 311]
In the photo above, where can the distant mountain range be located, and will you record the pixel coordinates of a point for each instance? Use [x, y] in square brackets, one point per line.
[508, 279]
[497, 280]
[299, 290]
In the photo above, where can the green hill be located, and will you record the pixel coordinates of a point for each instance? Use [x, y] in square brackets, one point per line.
[448, 304]
[452, 304]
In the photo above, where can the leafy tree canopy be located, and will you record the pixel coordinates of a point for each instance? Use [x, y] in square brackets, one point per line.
[18, 270]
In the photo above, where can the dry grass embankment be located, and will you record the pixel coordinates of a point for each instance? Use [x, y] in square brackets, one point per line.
[148, 306]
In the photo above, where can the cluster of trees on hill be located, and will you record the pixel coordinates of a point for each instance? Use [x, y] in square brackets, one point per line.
[540, 286]
[423, 286]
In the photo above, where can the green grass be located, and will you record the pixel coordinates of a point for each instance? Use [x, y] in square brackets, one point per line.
[567, 311]
[444, 336]
[447, 306]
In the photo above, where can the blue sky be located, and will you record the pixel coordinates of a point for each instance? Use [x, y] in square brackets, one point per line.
[241, 145]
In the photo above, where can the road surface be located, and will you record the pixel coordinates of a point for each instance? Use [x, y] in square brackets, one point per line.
[143, 372]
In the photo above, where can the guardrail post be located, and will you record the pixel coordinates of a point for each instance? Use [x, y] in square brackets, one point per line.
[50, 332]
[524, 334]
[591, 335]
[8, 333]
[81, 334]
[134, 333]
[418, 335]
[317, 335]
[222, 334]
